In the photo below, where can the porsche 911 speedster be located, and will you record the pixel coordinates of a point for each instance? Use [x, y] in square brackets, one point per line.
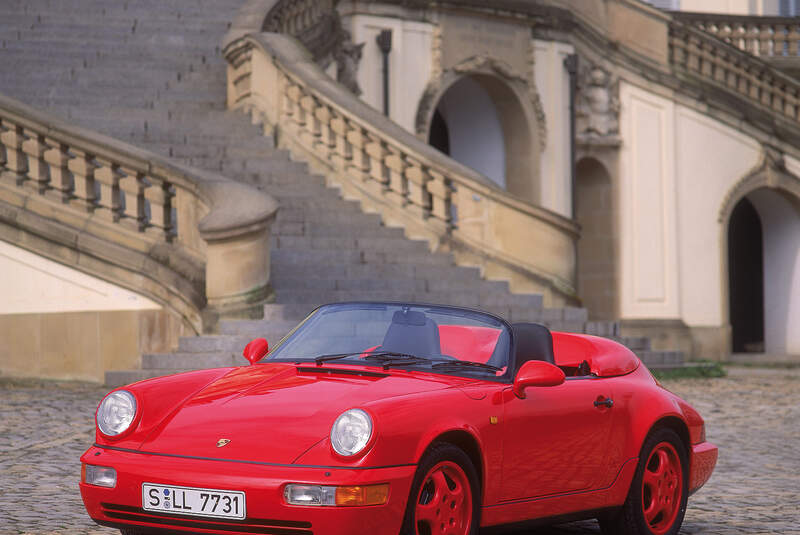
[387, 418]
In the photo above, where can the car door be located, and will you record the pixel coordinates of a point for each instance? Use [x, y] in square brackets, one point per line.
[556, 439]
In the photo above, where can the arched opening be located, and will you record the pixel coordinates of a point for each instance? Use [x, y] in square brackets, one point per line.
[764, 273]
[594, 211]
[746, 278]
[480, 122]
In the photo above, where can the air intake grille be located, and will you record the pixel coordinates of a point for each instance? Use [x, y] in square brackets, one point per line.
[127, 513]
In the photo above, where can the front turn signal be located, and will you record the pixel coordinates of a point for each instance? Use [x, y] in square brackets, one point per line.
[362, 495]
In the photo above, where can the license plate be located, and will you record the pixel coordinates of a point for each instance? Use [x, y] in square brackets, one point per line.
[193, 501]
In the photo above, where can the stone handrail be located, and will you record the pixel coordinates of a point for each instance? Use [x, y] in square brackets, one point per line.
[760, 36]
[713, 61]
[393, 172]
[194, 242]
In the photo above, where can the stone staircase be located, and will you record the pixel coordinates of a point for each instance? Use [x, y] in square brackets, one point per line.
[150, 73]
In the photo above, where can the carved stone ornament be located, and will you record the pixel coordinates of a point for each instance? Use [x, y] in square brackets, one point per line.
[597, 103]
[771, 172]
[481, 64]
[347, 56]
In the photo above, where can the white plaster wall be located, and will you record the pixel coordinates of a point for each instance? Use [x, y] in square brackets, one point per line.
[710, 159]
[552, 82]
[476, 135]
[780, 222]
[732, 7]
[32, 284]
[649, 283]
[409, 64]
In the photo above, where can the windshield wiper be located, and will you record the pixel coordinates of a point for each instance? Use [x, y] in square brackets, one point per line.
[465, 364]
[334, 356]
[391, 358]
[386, 358]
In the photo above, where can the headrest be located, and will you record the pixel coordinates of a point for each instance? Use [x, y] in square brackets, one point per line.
[532, 341]
[409, 317]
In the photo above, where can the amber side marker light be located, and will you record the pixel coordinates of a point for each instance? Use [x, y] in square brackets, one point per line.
[329, 495]
[366, 495]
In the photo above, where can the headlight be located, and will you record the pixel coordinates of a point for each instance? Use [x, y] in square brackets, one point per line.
[116, 413]
[351, 432]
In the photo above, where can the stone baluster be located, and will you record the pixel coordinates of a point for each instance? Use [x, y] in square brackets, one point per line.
[693, 53]
[57, 158]
[132, 185]
[314, 123]
[326, 140]
[792, 38]
[34, 146]
[360, 166]
[417, 178]
[289, 100]
[307, 115]
[342, 155]
[16, 161]
[297, 118]
[751, 38]
[780, 43]
[82, 167]
[376, 150]
[158, 208]
[398, 183]
[678, 50]
[441, 194]
[707, 59]
[107, 176]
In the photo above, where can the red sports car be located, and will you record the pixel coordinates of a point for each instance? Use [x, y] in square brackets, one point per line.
[387, 418]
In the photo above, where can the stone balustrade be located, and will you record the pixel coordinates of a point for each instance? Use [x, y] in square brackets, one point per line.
[392, 172]
[710, 60]
[196, 243]
[760, 36]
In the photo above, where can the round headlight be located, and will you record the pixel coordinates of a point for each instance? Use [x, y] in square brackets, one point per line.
[116, 413]
[351, 432]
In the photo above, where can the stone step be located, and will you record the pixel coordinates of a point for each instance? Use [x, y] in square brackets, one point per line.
[191, 361]
[661, 359]
[273, 331]
[116, 378]
[306, 243]
[212, 343]
[322, 257]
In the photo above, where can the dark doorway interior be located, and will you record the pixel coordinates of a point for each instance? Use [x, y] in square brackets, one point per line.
[746, 269]
[439, 137]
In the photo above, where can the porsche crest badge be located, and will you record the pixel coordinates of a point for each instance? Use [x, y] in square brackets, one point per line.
[223, 442]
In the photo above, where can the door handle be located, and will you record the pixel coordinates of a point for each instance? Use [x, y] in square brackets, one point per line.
[607, 402]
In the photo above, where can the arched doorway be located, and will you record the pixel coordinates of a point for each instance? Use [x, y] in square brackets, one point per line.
[764, 273]
[481, 122]
[594, 211]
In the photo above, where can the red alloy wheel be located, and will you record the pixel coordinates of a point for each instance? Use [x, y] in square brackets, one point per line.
[662, 485]
[444, 503]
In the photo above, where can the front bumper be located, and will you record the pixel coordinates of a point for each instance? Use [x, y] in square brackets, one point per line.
[267, 513]
[703, 459]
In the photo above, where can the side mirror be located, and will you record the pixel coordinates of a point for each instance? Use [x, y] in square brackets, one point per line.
[255, 350]
[536, 373]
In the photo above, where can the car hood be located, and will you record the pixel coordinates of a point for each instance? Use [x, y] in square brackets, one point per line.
[275, 412]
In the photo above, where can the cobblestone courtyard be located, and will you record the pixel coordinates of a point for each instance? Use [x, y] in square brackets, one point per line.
[752, 415]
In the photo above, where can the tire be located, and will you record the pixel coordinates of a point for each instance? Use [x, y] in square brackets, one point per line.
[445, 494]
[656, 502]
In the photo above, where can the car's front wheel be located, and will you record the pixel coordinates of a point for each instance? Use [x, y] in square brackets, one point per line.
[656, 502]
[445, 494]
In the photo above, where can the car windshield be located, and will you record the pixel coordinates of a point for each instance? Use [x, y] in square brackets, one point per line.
[442, 339]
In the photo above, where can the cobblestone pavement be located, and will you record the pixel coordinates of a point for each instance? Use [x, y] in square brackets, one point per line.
[752, 415]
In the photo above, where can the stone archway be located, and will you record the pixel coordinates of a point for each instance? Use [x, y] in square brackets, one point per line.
[484, 116]
[594, 211]
[762, 222]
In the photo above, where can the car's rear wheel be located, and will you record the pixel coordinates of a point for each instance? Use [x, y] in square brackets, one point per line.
[445, 494]
[656, 502]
